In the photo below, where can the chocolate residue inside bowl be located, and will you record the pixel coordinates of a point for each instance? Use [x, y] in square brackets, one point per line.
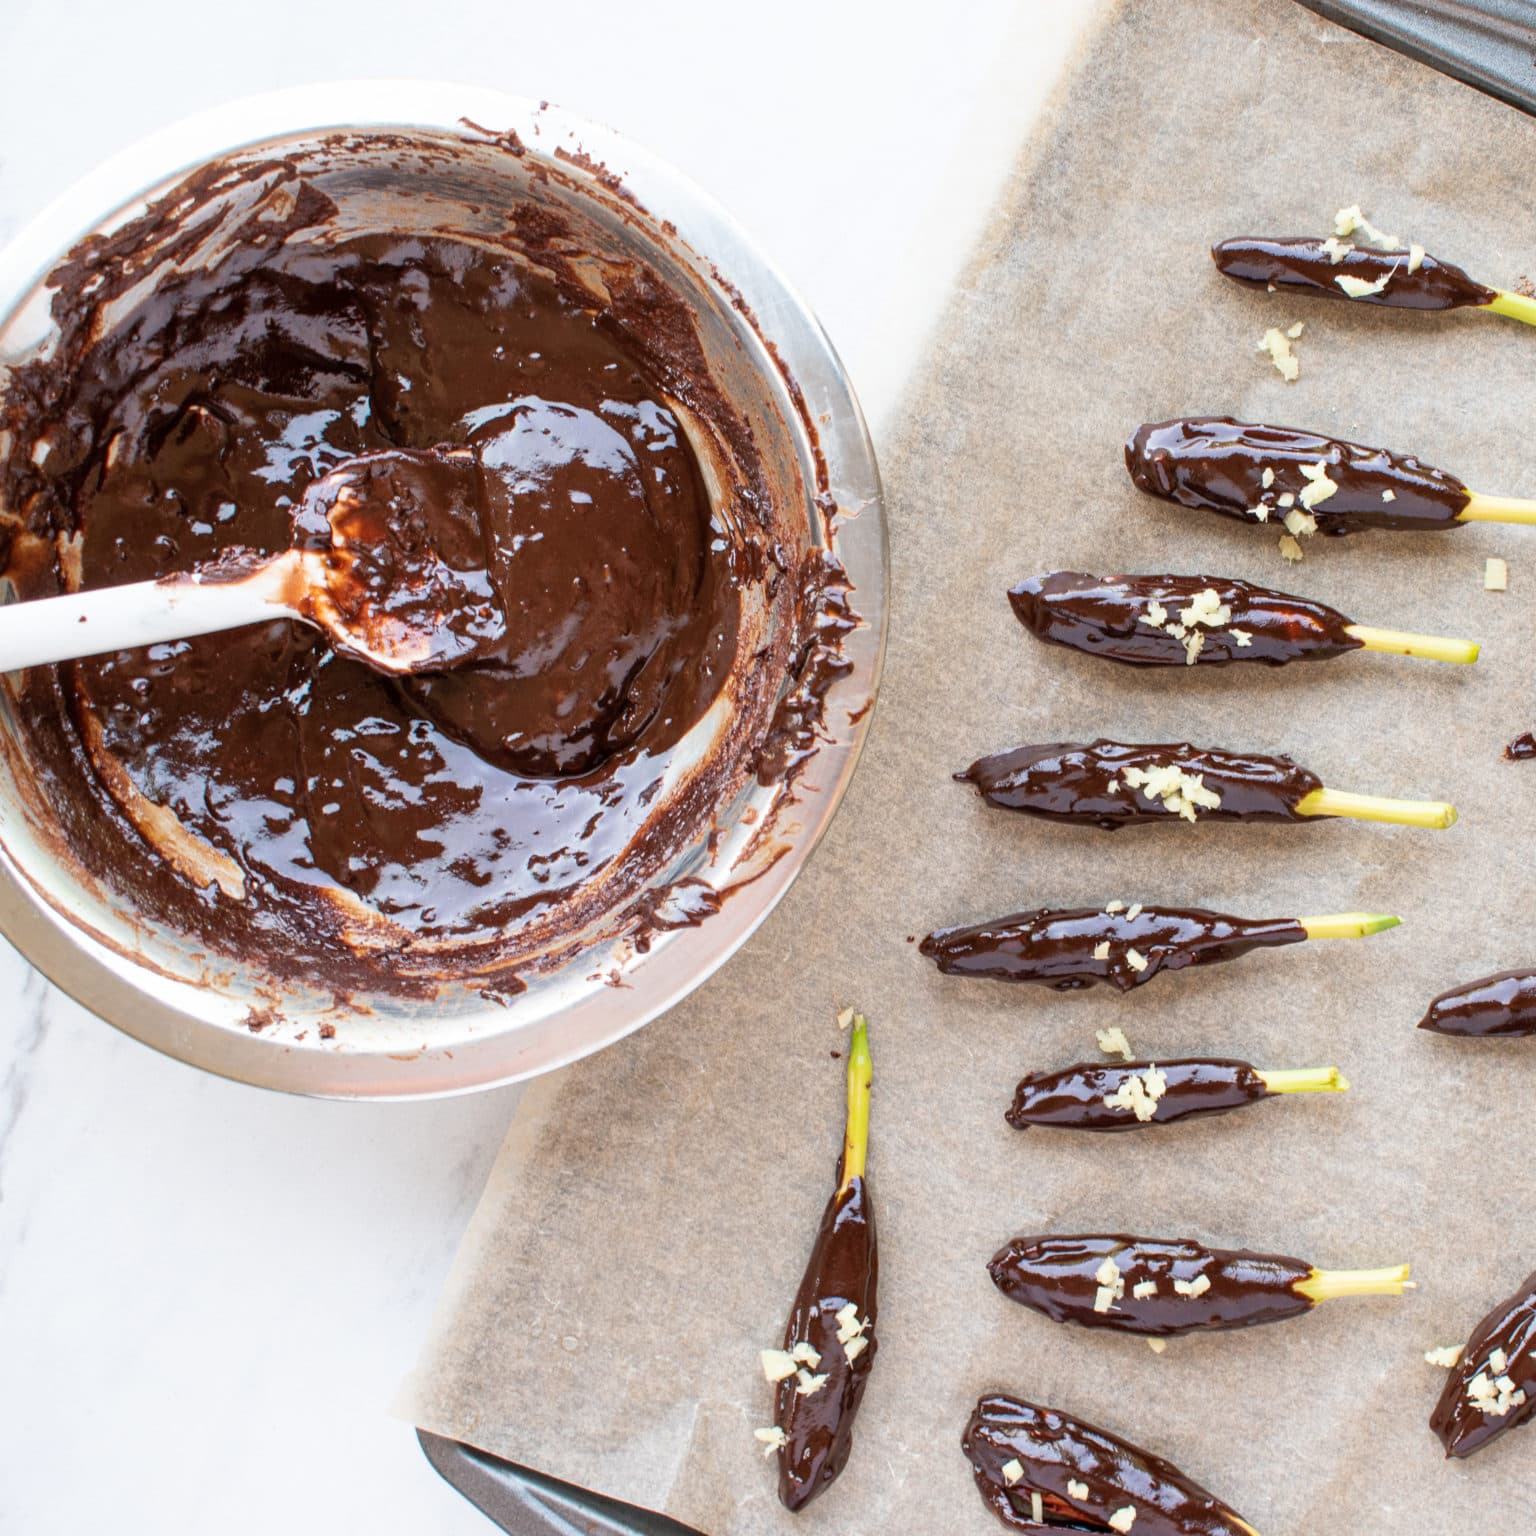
[659, 624]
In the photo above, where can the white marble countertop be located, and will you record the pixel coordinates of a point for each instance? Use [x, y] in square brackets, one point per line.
[208, 1294]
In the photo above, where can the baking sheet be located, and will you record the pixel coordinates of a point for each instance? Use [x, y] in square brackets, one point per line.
[647, 1221]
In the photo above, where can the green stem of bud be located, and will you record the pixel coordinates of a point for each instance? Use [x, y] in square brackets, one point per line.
[1347, 925]
[860, 1074]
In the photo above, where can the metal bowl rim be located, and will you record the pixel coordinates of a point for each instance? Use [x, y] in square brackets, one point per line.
[109, 982]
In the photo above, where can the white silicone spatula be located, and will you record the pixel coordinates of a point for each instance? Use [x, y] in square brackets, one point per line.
[52, 629]
[320, 587]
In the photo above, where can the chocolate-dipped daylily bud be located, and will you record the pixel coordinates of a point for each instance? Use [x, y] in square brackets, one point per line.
[1171, 621]
[1504, 1004]
[1261, 474]
[1039, 1470]
[1122, 1096]
[1493, 1385]
[1113, 784]
[1124, 946]
[829, 1340]
[1337, 269]
[1163, 1287]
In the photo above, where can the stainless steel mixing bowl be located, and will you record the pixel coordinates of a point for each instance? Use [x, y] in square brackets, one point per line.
[775, 361]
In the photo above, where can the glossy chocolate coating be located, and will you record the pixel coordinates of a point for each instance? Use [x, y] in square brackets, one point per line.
[1216, 464]
[1103, 615]
[1073, 1098]
[1056, 948]
[522, 484]
[1056, 1451]
[1462, 1426]
[1068, 781]
[843, 1268]
[1057, 1276]
[1504, 1004]
[1522, 748]
[1300, 264]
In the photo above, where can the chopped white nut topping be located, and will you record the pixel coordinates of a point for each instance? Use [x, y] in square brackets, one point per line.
[1178, 631]
[845, 1018]
[1289, 548]
[1389, 495]
[1112, 1042]
[1335, 249]
[1494, 1396]
[1319, 487]
[1416, 255]
[1299, 524]
[807, 1384]
[855, 1347]
[1281, 354]
[848, 1324]
[1205, 607]
[1076, 1490]
[1294, 331]
[1012, 1471]
[1036, 1507]
[1101, 950]
[776, 1364]
[1242, 637]
[1135, 911]
[1193, 644]
[1347, 220]
[805, 1354]
[1139, 1093]
[1358, 288]
[1155, 614]
[773, 1439]
[1498, 1362]
[1123, 1519]
[1268, 477]
[1111, 1285]
[1136, 960]
[1178, 791]
[1116, 905]
[1113, 786]
[1144, 1288]
[1446, 1356]
[1157, 1346]
[1496, 574]
[1193, 1288]
[1287, 500]
[1260, 512]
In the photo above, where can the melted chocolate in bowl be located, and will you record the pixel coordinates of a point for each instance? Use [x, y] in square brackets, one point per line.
[557, 457]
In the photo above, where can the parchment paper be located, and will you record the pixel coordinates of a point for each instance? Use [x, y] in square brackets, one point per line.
[650, 1214]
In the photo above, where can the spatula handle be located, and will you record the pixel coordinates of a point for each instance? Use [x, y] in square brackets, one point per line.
[51, 629]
